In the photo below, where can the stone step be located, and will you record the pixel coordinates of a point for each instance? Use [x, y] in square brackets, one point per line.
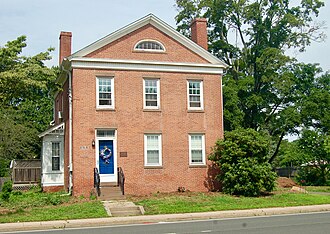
[122, 213]
[122, 208]
[110, 189]
[111, 193]
[108, 184]
[125, 208]
[112, 198]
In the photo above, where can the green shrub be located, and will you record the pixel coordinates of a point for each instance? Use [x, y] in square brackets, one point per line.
[54, 200]
[242, 159]
[312, 176]
[7, 188]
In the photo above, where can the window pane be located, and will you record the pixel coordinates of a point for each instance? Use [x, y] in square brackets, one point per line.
[151, 97]
[105, 133]
[153, 156]
[149, 45]
[105, 102]
[195, 104]
[196, 142]
[105, 91]
[194, 98]
[151, 103]
[196, 149]
[151, 92]
[152, 142]
[195, 94]
[55, 156]
[196, 156]
[55, 163]
[153, 148]
[55, 148]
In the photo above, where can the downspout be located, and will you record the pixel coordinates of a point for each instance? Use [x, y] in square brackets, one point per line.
[222, 121]
[70, 128]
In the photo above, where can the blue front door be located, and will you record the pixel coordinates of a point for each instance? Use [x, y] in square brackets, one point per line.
[106, 157]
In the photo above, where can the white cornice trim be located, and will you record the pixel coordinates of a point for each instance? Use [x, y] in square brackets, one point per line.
[157, 23]
[59, 126]
[137, 65]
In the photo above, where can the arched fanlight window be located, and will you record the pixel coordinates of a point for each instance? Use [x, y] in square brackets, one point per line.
[149, 45]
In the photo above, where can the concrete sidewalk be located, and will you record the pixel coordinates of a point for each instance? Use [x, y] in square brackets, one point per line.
[111, 221]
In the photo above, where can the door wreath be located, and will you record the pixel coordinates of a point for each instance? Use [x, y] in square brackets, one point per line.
[105, 154]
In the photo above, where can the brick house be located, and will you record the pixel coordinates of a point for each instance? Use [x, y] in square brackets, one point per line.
[145, 99]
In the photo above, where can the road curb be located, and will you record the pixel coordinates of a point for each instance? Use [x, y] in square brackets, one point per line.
[112, 221]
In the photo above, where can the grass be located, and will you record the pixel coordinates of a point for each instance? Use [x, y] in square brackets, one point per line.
[322, 189]
[202, 202]
[38, 206]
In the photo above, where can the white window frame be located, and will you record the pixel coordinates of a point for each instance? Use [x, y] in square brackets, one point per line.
[203, 150]
[159, 149]
[150, 50]
[112, 106]
[56, 156]
[201, 95]
[144, 94]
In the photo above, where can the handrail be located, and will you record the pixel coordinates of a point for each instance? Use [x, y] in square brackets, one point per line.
[121, 180]
[97, 181]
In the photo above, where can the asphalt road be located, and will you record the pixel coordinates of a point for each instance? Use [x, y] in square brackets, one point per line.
[296, 223]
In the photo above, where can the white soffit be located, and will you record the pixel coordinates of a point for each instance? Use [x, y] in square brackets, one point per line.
[157, 23]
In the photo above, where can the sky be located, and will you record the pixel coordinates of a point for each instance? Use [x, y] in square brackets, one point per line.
[89, 20]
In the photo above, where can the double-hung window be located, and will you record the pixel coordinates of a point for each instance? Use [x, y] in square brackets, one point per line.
[55, 156]
[152, 150]
[151, 94]
[195, 94]
[105, 92]
[196, 149]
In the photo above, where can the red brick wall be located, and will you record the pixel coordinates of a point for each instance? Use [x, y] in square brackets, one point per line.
[52, 189]
[173, 121]
[123, 48]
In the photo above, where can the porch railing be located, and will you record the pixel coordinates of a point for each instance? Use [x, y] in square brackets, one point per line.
[121, 180]
[97, 181]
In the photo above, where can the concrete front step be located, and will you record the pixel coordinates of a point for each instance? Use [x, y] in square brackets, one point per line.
[122, 208]
[108, 184]
[111, 193]
[125, 211]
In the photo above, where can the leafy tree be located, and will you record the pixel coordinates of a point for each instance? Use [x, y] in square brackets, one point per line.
[242, 159]
[315, 105]
[25, 101]
[263, 86]
[290, 155]
[316, 168]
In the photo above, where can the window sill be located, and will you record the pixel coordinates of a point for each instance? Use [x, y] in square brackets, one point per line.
[152, 110]
[153, 167]
[195, 111]
[105, 109]
[198, 166]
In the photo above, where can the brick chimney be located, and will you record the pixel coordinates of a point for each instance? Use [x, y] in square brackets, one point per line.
[65, 45]
[199, 32]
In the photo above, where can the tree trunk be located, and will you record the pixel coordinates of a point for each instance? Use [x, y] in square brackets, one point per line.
[277, 148]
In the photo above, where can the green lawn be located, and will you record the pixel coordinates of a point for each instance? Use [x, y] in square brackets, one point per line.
[37, 206]
[201, 202]
[324, 189]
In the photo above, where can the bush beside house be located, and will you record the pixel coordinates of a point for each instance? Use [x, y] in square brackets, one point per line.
[243, 162]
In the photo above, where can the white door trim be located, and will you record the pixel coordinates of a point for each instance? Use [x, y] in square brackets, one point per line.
[107, 177]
